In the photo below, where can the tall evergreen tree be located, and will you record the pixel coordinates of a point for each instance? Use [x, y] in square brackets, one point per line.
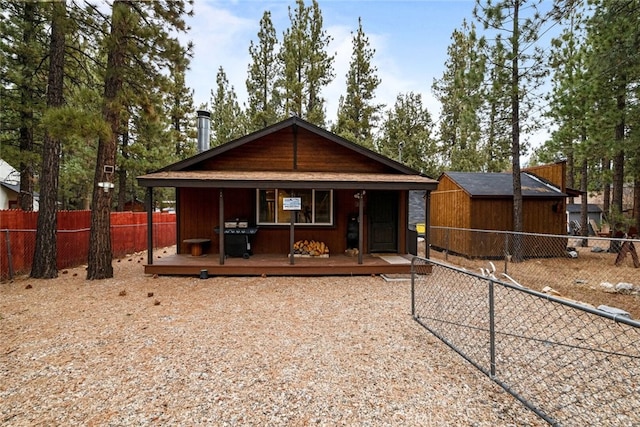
[23, 47]
[227, 118]
[495, 120]
[510, 17]
[406, 135]
[307, 67]
[45, 257]
[264, 99]
[358, 114]
[139, 47]
[614, 67]
[460, 92]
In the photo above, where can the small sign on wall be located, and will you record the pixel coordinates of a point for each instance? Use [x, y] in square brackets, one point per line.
[292, 203]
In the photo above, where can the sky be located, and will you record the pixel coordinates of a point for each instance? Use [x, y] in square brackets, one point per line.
[410, 38]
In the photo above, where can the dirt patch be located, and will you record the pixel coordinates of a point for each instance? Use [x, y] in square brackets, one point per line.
[139, 350]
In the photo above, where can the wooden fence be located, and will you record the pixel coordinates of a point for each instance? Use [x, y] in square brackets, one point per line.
[128, 235]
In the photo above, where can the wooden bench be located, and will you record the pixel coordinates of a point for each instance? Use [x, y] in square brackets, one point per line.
[196, 245]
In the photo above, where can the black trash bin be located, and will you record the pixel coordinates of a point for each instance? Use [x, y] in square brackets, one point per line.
[353, 232]
[412, 240]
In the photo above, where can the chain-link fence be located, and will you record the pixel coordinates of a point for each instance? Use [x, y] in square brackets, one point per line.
[128, 235]
[567, 266]
[570, 364]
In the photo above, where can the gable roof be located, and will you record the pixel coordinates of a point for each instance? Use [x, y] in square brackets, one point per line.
[478, 184]
[185, 173]
[292, 121]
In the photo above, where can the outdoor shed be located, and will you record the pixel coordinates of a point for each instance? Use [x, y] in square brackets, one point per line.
[290, 182]
[484, 201]
[574, 213]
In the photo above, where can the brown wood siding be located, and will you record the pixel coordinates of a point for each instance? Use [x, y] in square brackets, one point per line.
[316, 154]
[276, 152]
[452, 207]
[200, 208]
[555, 173]
[273, 152]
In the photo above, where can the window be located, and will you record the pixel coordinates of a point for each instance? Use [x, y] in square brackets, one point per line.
[317, 207]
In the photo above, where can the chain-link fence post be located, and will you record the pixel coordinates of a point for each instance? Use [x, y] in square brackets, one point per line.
[9, 258]
[446, 244]
[506, 253]
[492, 332]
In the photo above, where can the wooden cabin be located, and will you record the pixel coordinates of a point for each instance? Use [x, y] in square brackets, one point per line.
[484, 201]
[242, 207]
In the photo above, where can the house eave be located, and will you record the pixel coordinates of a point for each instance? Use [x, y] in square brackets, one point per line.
[297, 180]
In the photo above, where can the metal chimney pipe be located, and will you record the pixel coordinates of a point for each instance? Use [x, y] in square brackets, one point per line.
[204, 130]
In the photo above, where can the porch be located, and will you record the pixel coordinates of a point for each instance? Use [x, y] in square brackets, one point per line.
[279, 265]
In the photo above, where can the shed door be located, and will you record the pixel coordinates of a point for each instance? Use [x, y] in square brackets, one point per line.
[382, 210]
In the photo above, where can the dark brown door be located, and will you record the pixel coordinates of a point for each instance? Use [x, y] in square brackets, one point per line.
[382, 211]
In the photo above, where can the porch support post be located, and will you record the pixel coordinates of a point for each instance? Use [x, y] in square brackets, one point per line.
[149, 225]
[427, 223]
[360, 226]
[221, 227]
[291, 237]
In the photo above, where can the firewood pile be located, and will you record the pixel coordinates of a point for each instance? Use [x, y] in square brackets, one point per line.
[310, 248]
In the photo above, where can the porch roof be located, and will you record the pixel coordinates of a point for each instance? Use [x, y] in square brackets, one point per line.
[288, 179]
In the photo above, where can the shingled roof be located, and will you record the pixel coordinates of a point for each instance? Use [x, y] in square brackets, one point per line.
[478, 184]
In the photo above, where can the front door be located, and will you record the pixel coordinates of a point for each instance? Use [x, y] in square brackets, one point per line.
[382, 210]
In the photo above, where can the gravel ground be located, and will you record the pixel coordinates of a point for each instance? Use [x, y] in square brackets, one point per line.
[138, 350]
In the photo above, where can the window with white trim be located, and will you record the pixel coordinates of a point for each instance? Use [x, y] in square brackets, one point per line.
[316, 207]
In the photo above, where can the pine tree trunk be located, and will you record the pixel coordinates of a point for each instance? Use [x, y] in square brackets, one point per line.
[44, 259]
[518, 223]
[584, 169]
[618, 161]
[606, 190]
[100, 252]
[636, 201]
[570, 169]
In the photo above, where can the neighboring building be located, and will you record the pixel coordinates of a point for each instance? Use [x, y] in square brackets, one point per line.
[10, 187]
[574, 213]
[342, 187]
[484, 201]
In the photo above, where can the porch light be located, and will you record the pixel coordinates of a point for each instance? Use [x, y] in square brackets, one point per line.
[106, 186]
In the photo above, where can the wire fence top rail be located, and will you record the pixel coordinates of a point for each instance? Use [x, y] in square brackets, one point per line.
[523, 233]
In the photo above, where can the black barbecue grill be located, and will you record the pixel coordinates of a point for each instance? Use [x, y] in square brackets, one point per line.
[237, 241]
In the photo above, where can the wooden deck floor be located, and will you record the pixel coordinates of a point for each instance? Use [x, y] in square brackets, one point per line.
[277, 265]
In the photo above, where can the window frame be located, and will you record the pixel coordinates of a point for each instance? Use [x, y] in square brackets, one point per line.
[301, 224]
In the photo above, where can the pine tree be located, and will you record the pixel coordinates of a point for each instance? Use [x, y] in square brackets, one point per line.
[22, 89]
[264, 98]
[460, 92]
[307, 67]
[496, 118]
[45, 256]
[509, 17]
[406, 135]
[227, 118]
[614, 67]
[139, 46]
[358, 115]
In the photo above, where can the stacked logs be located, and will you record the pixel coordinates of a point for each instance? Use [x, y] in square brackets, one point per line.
[310, 248]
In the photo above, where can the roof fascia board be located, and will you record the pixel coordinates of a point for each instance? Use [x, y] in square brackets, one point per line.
[200, 183]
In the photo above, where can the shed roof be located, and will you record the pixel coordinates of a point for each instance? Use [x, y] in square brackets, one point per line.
[576, 208]
[478, 184]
